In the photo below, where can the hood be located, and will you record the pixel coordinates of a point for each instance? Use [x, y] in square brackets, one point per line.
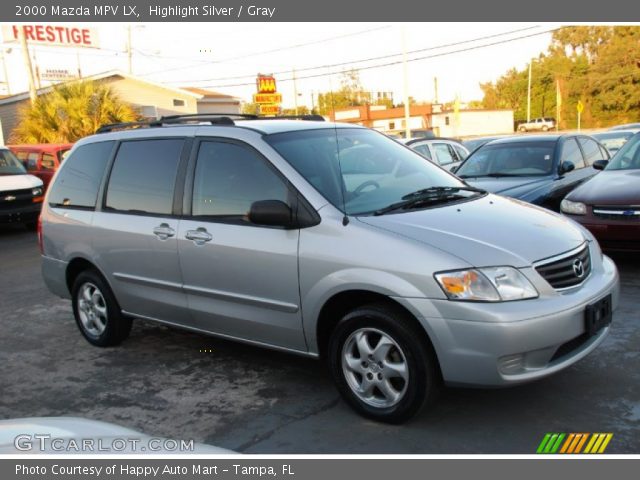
[508, 186]
[489, 231]
[611, 187]
[18, 182]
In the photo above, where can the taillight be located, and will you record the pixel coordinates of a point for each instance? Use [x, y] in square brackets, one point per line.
[40, 244]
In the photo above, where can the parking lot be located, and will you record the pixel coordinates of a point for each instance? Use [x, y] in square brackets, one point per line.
[162, 382]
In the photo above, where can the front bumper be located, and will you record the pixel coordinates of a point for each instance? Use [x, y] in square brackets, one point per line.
[500, 344]
[21, 214]
[612, 235]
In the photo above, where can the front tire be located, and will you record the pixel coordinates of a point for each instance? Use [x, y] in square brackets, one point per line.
[381, 365]
[96, 311]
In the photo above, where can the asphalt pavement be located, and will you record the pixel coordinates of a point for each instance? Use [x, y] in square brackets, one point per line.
[175, 384]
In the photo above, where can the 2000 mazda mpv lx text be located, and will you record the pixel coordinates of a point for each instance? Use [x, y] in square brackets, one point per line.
[326, 240]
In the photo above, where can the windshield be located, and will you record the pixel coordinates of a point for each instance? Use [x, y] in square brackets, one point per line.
[628, 157]
[373, 170]
[9, 164]
[519, 159]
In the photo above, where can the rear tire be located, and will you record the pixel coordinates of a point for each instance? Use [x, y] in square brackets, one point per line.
[97, 312]
[382, 365]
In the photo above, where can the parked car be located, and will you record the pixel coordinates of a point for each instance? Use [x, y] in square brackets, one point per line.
[625, 126]
[538, 169]
[42, 160]
[614, 140]
[538, 124]
[251, 230]
[472, 144]
[609, 204]
[21, 194]
[441, 151]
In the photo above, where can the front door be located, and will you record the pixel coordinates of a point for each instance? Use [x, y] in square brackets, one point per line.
[241, 279]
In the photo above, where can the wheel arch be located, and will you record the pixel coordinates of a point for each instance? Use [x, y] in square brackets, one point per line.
[78, 265]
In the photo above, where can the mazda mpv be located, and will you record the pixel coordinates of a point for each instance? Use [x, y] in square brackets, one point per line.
[325, 240]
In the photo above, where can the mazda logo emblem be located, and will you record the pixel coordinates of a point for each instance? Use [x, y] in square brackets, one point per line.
[578, 268]
[9, 198]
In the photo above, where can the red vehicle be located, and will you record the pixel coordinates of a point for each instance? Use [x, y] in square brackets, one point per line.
[609, 204]
[41, 160]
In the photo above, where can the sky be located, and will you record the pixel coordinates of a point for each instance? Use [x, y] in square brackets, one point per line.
[212, 55]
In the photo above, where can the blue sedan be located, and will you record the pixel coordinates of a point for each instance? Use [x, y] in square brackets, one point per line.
[539, 169]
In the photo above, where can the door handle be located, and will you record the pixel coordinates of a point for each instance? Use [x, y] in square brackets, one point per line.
[163, 231]
[200, 236]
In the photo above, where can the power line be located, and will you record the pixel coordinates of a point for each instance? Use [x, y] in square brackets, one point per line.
[396, 62]
[370, 59]
[264, 52]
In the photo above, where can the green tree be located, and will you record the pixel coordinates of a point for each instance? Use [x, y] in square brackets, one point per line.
[69, 112]
[350, 94]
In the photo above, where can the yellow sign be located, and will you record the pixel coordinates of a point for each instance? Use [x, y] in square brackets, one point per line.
[269, 109]
[580, 106]
[265, 98]
[266, 84]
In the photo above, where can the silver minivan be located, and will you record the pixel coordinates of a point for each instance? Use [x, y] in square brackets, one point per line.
[325, 240]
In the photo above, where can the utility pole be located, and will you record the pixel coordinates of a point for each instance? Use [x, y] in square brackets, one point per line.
[27, 64]
[558, 104]
[435, 89]
[405, 74]
[529, 94]
[295, 91]
[129, 50]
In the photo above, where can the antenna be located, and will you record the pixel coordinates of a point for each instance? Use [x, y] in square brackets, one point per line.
[345, 218]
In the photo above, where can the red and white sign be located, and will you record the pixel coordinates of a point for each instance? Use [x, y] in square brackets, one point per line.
[53, 35]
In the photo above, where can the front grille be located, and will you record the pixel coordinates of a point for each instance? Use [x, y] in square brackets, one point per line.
[626, 213]
[566, 271]
[12, 199]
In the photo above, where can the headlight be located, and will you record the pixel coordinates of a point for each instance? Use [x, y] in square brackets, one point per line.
[494, 284]
[36, 192]
[573, 208]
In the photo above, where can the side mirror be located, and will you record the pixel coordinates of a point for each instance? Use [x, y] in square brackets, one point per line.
[272, 213]
[600, 164]
[566, 167]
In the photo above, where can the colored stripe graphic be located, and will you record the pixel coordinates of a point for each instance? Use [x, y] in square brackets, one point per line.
[573, 443]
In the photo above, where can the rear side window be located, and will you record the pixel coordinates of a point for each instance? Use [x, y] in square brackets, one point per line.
[32, 161]
[444, 153]
[143, 176]
[423, 150]
[78, 182]
[571, 153]
[48, 162]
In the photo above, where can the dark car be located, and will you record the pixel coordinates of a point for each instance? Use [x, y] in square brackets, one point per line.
[609, 204]
[539, 169]
[475, 143]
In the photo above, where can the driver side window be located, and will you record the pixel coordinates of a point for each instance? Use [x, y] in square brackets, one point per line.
[571, 153]
[229, 178]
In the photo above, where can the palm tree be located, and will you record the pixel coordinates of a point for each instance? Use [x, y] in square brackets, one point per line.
[69, 112]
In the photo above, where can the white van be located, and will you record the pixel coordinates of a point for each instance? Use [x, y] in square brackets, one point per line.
[21, 194]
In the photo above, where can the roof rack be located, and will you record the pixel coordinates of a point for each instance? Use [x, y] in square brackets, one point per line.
[212, 118]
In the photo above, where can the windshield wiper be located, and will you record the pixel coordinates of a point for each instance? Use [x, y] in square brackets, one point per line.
[428, 196]
[494, 175]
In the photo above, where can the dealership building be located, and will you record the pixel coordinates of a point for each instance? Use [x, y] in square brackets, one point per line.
[443, 122]
[150, 99]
